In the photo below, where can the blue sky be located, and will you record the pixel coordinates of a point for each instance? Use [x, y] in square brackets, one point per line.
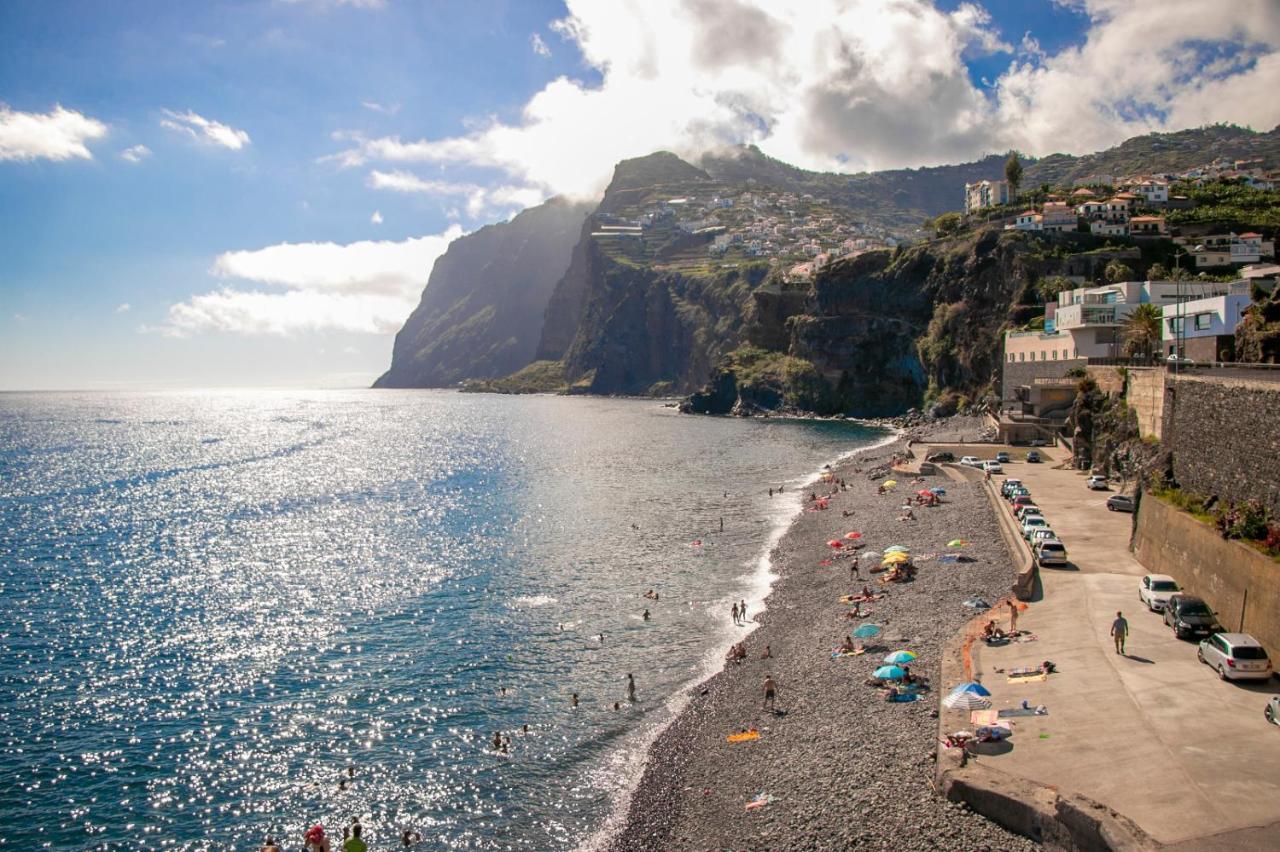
[202, 212]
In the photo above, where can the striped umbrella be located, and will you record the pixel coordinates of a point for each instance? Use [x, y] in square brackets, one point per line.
[966, 701]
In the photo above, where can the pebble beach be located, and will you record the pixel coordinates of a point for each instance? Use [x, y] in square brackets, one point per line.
[838, 766]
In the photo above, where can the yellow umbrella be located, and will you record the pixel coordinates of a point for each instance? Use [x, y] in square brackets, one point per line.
[896, 558]
[889, 483]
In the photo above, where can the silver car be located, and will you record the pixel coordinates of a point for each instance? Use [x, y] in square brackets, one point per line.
[1235, 656]
[1155, 590]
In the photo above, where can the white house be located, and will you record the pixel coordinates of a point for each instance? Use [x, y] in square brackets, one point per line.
[1147, 226]
[1203, 329]
[1152, 191]
[1092, 210]
[1107, 228]
[1028, 220]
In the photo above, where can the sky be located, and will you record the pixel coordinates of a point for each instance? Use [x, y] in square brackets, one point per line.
[252, 193]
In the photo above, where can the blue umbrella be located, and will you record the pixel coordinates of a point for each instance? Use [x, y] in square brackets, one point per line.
[866, 631]
[972, 686]
[900, 657]
[889, 673]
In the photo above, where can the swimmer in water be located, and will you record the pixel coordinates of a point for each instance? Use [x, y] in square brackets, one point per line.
[575, 699]
[646, 615]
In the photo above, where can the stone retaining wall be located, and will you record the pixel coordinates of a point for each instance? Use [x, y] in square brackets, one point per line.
[1240, 584]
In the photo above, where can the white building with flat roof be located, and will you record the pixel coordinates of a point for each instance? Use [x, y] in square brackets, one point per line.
[986, 193]
[1203, 329]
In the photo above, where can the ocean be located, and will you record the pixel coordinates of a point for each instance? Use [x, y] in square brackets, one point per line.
[226, 615]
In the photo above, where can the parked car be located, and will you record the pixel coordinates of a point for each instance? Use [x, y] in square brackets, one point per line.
[1120, 503]
[1020, 500]
[1033, 457]
[971, 461]
[1189, 616]
[1003, 457]
[1017, 491]
[1038, 442]
[1026, 511]
[1235, 656]
[1155, 590]
[1050, 552]
[1009, 484]
[1041, 534]
[1180, 363]
[1097, 483]
[1031, 524]
[1272, 712]
[992, 467]
[941, 457]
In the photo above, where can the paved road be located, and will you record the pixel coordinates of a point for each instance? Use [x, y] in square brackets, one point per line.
[1153, 734]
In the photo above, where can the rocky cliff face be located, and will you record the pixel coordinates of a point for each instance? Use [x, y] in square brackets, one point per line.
[884, 332]
[482, 308]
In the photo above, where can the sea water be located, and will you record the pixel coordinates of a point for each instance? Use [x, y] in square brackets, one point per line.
[226, 615]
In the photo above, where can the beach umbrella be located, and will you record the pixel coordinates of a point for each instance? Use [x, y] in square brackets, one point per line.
[972, 686]
[957, 542]
[900, 657]
[889, 483]
[853, 536]
[895, 558]
[966, 701]
[866, 631]
[896, 673]
[835, 543]
[898, 547]
[939, 490]
[925, 492]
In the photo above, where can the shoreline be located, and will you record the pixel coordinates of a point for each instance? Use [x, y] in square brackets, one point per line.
[693, 786]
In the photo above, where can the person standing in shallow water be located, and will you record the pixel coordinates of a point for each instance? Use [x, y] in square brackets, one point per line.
[742, 611]
[631, 687]
[735, 614]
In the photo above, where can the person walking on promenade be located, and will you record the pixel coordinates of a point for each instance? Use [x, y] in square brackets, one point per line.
[770, 692]
[1119, 630]
[735, 614]
[1013, 616]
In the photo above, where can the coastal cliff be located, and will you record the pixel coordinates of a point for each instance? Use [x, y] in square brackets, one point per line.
[883, 332]
[478, 317]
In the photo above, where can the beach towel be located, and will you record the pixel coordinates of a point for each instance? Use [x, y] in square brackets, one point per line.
[910, 696]
[759, 801]
[857, 652]
[1020, 711]
[1026, 678]
[745, 736]
[982, 717]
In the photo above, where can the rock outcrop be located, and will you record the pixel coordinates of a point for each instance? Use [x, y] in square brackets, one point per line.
[482, 308]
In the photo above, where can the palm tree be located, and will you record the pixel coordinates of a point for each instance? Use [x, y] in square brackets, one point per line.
[1142, 330]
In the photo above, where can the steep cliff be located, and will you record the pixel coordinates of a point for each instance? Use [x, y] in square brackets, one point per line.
[483, 304]
[887, 331]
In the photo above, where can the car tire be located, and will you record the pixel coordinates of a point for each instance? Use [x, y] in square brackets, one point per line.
[1222, 672]
[1199, 655]
[1269, 714]
[1111, 508]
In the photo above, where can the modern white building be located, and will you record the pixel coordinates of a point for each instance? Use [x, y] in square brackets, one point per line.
[1203, 329]
[986, 193]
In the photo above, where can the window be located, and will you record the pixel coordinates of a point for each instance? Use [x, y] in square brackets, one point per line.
[1022, 356]
[1175, 325]
[1203, 321]
[1055, 354]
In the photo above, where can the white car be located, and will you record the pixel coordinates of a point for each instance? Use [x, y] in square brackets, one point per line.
[1050, 551]
[1041, 534]
[1235, 656]
[1155, 589]
[1033, 523]
[992, 467]
[971, 461]
[1038, 442]
[1096, 483]
[1272, 712]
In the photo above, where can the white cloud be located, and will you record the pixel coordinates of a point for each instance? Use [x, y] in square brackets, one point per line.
[384, 109]
[480, 199]
[60, 134]
[853, 84]
[539, 46]
[123, 308]
[376, 218]
[367, 286]
[135, 154]
[205, 129]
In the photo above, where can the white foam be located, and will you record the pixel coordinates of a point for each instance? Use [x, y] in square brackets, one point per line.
[532, 600]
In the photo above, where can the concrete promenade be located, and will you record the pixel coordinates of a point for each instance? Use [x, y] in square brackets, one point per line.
[1152, 734]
